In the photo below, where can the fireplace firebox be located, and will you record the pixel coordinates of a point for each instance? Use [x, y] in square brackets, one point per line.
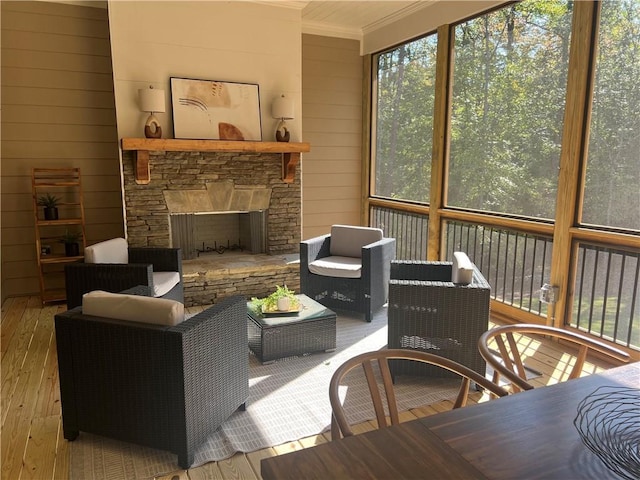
[218, 232]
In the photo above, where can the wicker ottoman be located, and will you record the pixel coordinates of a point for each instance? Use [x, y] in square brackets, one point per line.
[312, 329]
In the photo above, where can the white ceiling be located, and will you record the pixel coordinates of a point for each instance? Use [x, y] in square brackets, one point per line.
[350, 18]
[353, 19]
[336, 18]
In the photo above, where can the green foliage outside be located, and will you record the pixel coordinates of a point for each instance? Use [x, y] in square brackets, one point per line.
[612, 190]
[406, 88]
[507, 111]
[510, 76]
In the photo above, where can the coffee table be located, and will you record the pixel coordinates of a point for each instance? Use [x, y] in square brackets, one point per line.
[273, 336]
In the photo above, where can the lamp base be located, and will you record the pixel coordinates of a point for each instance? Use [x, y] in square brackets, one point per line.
[152, 128]
[283, 136]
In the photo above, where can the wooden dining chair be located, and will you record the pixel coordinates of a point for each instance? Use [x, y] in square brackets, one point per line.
[508, 359]
[339, 422]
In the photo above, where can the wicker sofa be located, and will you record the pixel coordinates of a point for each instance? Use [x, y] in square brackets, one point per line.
[165, 387]
[428, 312]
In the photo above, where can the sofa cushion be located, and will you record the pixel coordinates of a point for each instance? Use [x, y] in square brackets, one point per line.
[163, 282]
[135, 308]
[462, 270]
[336, 266]
[347, 240]
[115, 250]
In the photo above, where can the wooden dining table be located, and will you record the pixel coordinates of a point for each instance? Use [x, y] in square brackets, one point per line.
[523, 436]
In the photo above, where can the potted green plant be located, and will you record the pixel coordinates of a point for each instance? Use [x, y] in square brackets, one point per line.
[71, 243]
[282, 300]
[50, 204]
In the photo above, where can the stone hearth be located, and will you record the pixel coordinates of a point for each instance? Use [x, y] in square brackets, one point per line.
[212, 277]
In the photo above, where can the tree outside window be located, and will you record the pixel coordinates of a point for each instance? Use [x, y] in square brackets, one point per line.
[509, 86]
[612, 185]
[404, 120]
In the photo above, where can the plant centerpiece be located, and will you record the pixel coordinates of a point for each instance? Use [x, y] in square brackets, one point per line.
[50, 204]
[71, 243]
[282, 300]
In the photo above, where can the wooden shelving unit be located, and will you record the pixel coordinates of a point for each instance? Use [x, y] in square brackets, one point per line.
[66, 185]
[142, 146]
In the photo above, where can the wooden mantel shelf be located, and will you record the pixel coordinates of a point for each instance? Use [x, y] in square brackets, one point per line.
[290, 152]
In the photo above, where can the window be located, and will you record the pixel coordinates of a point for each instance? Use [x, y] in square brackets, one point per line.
[404, 95]
[509, 84]
[612, 195]
[506, 108]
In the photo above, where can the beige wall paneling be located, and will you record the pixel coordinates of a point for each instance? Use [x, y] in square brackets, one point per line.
[57, 111]
[332, 106]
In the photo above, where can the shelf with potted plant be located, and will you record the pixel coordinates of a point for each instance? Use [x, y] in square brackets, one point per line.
[59, 222]
[71, 241]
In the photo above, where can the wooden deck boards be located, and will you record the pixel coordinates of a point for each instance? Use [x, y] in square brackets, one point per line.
[31, 438]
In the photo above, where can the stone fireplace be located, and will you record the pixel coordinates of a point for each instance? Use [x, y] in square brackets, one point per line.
[201, 182]
[217, 184]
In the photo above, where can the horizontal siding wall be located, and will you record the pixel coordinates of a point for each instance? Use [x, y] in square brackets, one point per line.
[57, 111]
[332, 123]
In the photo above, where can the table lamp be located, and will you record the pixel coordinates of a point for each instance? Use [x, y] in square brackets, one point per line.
[152, 100]
[282, 108]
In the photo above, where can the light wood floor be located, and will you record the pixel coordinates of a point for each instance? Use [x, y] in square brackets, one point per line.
[31, 438]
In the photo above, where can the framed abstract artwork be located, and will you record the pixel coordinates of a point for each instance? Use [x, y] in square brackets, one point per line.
[209, 109]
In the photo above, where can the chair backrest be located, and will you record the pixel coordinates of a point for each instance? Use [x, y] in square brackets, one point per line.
[340, 424]
[115, 250]
[499, 347]
[347, 240]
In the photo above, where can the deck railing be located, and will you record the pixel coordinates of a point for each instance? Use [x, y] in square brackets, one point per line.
[517, 264]
[606, 299]
[409, 229]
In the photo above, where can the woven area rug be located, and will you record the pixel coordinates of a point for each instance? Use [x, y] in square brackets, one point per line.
[288, 400]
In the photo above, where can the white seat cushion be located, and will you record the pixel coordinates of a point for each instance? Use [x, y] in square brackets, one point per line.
[347, 240]
[115, 250]
[135, 308]
[337, 266]
[462, 270]
[163, 282]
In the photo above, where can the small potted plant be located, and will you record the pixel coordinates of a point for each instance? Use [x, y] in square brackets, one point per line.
[282, 300]
[50, 204]
[71, 243]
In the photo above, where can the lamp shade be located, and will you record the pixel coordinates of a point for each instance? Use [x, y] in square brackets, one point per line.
[282, 108]
[151, 100]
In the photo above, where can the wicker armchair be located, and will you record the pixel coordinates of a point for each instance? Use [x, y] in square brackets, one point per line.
[81, 278]
[365, 293]
[162, 387]
[428, 312]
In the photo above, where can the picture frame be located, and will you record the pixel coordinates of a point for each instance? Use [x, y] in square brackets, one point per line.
[215, 110]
